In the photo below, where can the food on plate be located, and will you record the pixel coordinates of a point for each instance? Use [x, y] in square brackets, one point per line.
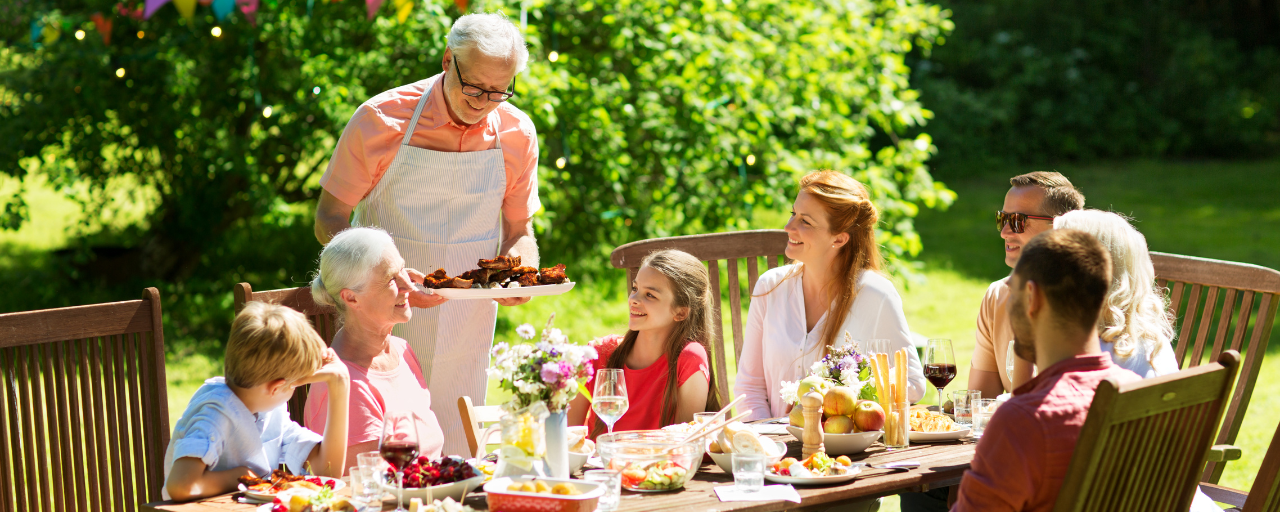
[737, 437]
[445, 505]
[868, 416]
[424, 472]
[663, 475]
[282, 479]
[725, 437]
[838, 425]
[323, 500]
[817, 465]
[924, 420]
[540, 487]
[839, 401]
[500, 272]
[578, 441]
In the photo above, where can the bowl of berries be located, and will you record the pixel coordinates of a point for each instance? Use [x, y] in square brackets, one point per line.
[426, 478]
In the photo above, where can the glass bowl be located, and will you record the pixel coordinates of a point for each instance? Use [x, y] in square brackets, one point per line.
[650, 460]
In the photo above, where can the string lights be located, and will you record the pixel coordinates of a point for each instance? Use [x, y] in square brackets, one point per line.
[216, 31]
[266, 112]
[80, 35]
[751, 159]
[120, 73]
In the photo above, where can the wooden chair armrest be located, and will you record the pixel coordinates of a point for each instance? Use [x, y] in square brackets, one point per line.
[1222, 494]
[1223, 453]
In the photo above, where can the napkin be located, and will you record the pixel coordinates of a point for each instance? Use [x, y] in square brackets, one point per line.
[766, 493]
[768, 428]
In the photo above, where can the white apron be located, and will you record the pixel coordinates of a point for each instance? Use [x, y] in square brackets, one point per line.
[443, 210]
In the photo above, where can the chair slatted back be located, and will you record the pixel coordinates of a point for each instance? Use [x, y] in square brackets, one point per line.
[768, 244]
[85, 416]
[475, 419]
[1236, 303]
[323, 318]
[1264, 496]
[1144, 444]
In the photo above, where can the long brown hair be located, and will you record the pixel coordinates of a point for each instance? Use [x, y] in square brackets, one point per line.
[691, 287]
[849, 210]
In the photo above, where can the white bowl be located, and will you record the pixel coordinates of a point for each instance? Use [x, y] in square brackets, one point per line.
[725, 460]
[457, 490]
[576, 461]
[842, 444]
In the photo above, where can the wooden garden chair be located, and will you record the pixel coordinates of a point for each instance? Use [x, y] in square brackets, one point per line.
[323, 318]
[475, 419]
[1264, 496]
[730, 247]
[1209, 296]
[84, 419]
[1145, 443]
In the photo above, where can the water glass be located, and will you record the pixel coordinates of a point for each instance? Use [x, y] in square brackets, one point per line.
[377, 468]
[703, 417]
[748, 472]
[612, 482]
[366, 483]
[880, 346]
[983, 409]
[960, 405]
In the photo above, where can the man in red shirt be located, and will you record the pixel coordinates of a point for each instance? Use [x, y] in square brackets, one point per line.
[1056, 294]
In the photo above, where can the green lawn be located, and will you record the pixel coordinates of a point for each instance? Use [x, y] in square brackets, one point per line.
[1217, 210]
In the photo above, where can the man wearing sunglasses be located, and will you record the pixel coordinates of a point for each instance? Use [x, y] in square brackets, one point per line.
[449, 167]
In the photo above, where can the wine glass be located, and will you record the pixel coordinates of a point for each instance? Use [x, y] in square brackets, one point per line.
[609, 399]
[399, 446]
[939, 365]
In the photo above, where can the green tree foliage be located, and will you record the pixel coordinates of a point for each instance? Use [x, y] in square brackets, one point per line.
[1089, 79]
[674, 116]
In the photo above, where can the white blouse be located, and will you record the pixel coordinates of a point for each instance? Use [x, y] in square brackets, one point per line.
[778, 348]
[1164, 364]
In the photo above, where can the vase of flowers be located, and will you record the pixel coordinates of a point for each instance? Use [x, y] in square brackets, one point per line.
[551, 371]
[843, 365]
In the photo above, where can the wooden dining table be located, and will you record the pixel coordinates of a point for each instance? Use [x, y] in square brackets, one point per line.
[941, 465]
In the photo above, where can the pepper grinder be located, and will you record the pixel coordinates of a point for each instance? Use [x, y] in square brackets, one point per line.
[812, 408]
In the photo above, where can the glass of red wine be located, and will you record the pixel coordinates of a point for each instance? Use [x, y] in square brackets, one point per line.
[939, 365]
[399, 446]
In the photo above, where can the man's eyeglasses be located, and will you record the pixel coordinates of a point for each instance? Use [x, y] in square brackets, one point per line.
[1017, 221]
[475, 91]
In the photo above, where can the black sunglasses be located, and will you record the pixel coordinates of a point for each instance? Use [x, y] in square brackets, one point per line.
[475, 91]
[1017, 221]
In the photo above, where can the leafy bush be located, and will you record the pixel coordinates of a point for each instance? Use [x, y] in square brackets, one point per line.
[1044, 81]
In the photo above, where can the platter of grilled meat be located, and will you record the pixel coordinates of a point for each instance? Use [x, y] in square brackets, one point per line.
[498, 278]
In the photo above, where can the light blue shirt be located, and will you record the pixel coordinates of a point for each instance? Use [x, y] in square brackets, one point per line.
[218, 429]
[1164, 363]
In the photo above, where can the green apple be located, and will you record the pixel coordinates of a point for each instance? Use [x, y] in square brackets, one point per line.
[810, 383]
[797, 416]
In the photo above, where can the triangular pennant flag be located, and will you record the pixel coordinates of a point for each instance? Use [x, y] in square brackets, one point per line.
[221, 8]
[104, 27]
[372, 6]
[36, 29]
[187, 8]
[250, 10]
[206, 3]
[462, 5]
[403, 9]
[51, 32]
[152, 7]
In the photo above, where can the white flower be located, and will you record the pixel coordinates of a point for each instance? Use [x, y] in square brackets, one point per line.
[525, 331]
[591, 353]
[789, 391]
[499, 349]
[556, 336]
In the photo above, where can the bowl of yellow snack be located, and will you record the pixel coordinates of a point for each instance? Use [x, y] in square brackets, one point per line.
[533, 494]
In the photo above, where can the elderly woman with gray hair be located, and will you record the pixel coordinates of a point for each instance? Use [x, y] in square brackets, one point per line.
[362, 274]
[450, 168]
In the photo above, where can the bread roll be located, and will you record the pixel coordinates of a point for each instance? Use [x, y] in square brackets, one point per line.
[725, 437]
[748, 443]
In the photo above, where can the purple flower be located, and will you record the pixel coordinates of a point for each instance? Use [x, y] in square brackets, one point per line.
[551, 373]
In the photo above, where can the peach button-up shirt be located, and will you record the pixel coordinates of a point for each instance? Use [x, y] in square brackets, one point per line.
[372, 137]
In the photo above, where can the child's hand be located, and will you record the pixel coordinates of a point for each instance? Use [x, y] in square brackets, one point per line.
[333, 371]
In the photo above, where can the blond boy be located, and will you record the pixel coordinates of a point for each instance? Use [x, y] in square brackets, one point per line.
[238, 425]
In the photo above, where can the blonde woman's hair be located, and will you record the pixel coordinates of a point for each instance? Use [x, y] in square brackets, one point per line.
[270, 342]
[1135, 310]
[347, 262]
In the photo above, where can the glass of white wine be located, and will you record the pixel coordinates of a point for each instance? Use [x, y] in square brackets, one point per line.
[609, 398]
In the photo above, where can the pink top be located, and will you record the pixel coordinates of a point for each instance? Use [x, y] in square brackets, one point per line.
[373, 393]
[1025, 450]
[646, 386]
[373, 135]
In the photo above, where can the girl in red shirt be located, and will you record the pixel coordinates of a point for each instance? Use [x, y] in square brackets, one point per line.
[663, 355]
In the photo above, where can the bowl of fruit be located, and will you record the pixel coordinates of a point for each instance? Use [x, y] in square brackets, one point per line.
[450, 477]
[650, 460]
[533, 494]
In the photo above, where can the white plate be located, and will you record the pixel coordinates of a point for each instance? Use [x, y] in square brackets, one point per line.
[259, 496]
[933, 437]
[842, 444]
[502, 293]
[725, 460]
[456, 490]
[816, 480]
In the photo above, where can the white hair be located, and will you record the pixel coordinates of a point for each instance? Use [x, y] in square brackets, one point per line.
[1135, 310]
[492, 34]
[347, 262]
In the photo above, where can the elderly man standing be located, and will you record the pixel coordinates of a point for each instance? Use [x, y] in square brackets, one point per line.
[449, 168]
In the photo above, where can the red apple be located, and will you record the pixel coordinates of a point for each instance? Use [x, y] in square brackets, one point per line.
[868, 416]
